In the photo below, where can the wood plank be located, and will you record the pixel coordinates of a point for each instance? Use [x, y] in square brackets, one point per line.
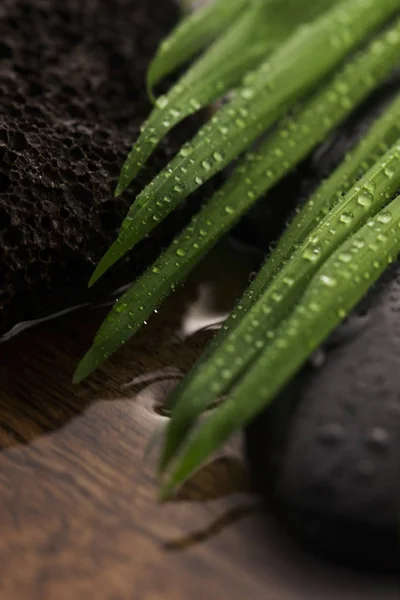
[79, 516]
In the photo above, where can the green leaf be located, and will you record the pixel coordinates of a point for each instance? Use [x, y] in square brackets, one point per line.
[335, 289]
[191, 36]
[293, 70]
[258, 326]
[250, 38]
[382, 135]
[292, 139]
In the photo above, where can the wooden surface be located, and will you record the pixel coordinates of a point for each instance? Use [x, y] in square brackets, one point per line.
[79, 516]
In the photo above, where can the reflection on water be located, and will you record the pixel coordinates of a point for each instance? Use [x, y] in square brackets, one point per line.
[203, 314]
[153, 376]
[213, 291]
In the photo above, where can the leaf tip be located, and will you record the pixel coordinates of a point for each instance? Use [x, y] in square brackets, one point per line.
[150, 92]
[88, 364]
[105, 263]
[167, 492]
[81, 372]
[94, 278]
[118, 190]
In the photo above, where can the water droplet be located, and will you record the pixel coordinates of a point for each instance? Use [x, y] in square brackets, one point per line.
[288, 281]
[346, 218]
[206, 165]
[156, 270]
[328, 281]
[312, 254]
[218, 156]
[185, 151]
[247, 93]
[345, 257]
[384, 217]
[278, 152]
[120, 307]
[378, 439]
[370, 185]
[181, 252]
[162, 102]
[195, 104]
[365, 198]
[314, 307]
[389, 172]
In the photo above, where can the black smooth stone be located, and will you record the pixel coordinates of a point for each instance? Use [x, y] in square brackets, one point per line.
[327, 453]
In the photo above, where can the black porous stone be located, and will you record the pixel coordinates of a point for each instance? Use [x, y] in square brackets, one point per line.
[72, 99]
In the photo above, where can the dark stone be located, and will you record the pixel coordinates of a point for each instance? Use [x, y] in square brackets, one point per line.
[72, 99]
[327, 453]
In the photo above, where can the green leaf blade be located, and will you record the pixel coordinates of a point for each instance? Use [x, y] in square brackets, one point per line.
[215, 73]
[255, 107]
[191, 36]
[251, 37]
[383, 135]
[257, 327]
[334, 291]
[294, 138]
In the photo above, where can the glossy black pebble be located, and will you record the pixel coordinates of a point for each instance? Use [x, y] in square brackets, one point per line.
[327, 453]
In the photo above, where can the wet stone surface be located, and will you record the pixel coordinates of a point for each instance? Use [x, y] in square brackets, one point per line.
[328, 452]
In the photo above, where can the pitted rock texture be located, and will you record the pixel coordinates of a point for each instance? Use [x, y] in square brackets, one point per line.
[72, 99]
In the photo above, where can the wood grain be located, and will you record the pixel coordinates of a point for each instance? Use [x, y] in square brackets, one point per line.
[79, 516]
